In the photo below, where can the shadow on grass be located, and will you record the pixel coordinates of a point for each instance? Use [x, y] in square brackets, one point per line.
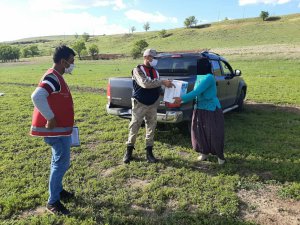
[201, 26]
[106, 212]
[263, 140]
[273, 18]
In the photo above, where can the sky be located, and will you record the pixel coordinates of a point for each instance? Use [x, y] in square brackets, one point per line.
[35, 18]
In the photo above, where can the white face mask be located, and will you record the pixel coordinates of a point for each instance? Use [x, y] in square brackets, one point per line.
[153, 63]
[69, 69]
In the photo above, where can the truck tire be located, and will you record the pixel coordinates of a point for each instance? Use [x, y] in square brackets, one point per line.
[240, 101]
[185, 127]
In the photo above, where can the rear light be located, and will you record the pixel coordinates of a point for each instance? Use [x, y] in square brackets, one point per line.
[177, 56]
[108, 92]
[172, 105]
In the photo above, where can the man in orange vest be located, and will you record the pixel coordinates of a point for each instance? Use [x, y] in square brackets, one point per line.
[53, 119]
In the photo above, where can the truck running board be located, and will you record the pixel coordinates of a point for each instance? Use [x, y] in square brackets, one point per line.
[230, 109]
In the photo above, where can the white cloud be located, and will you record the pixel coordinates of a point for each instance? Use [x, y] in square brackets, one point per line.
[274, 2]
[60, 5]
[119, 4]
[142, 17]
[32, 23]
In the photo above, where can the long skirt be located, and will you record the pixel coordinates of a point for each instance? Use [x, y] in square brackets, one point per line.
[207, 132]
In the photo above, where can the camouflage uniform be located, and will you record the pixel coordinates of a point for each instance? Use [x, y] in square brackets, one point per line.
[141, 111]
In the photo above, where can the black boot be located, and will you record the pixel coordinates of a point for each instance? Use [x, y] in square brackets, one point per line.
[149, 155]
[128, 155]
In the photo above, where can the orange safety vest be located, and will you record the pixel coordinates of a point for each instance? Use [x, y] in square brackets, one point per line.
[61, 103]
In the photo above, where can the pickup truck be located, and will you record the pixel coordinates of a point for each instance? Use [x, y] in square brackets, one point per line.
[231, 88]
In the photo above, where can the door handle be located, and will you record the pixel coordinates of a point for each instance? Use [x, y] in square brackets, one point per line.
[217, 83]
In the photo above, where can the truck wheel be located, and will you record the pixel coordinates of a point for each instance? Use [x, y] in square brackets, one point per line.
[189, 127]
[185, 127]
[240, 101]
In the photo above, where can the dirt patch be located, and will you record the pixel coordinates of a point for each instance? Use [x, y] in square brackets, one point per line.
[263, 206]
[92, 145]
[72, 88]
[204, 166]
[88, 89]
[260, 50]
[270, 106]
[19, 84]
[183, 154]
[108, 172]
[136, 183]
[33, 212]
[144, 210]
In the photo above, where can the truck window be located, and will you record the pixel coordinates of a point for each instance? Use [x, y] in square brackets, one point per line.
[216, 68]
[226, 69]
[177, 66]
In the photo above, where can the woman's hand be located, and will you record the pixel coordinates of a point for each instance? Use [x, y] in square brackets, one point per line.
[177, 100]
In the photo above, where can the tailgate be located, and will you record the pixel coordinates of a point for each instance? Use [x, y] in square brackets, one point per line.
[120, 92]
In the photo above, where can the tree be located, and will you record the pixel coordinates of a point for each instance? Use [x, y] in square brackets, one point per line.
[78, 47]
[9, 53]
[163, 33]
[34, 50]
[146, 26]
[85, 36]
[264, 15]
[188, 22]
[93, 50]
[138, 47]
[141, 44]
[25, 52]
[132, 29]
[193, 20]
[16, 53]
[30, 51]
[76, 36]
[135, 52]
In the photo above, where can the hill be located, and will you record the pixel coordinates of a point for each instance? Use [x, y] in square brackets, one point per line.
[224, 34]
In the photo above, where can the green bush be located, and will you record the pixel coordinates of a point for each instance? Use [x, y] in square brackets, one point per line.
[139, 46]
[9, 53]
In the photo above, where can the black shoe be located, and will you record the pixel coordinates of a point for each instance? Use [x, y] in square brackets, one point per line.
[65, 195]
[149, 155]
[128, 154]
[57, 208]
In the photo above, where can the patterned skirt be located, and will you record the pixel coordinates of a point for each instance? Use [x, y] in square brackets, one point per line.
[207, 132]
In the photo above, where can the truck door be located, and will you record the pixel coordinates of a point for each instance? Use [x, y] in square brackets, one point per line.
[231, 82]
[221, 83]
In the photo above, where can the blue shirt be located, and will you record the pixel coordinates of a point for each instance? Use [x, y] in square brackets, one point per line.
[205, 92]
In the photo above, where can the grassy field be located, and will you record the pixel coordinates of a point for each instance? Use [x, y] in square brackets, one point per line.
[262, 148]
[260, 184]
[225, 34]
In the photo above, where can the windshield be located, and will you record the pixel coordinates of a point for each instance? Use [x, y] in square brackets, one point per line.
[177, 66]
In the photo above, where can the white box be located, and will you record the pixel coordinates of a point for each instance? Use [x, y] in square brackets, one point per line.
[177, 91]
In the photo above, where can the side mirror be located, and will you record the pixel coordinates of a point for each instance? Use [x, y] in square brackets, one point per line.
[237, 73]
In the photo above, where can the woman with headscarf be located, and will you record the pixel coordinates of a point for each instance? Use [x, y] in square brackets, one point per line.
[207, 130]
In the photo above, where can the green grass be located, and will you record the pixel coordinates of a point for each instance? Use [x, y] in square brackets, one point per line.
[178, 189]
[262, 143]
[271, 80]
[268, 80]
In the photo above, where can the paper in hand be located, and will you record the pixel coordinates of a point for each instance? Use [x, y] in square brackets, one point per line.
[75, 137]
[177, 91]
